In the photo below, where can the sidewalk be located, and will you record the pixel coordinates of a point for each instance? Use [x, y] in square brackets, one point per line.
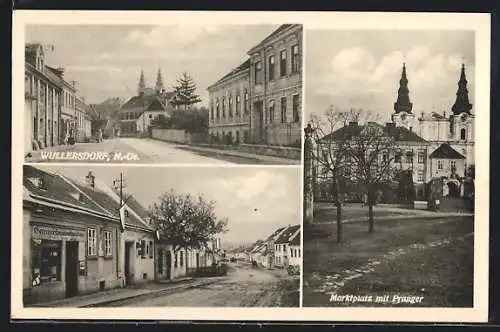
[232, 153]
[117, 294]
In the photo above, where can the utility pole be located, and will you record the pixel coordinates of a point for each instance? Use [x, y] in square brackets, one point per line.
[120, 183]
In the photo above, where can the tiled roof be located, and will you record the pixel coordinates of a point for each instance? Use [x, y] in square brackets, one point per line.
[295, 240]
[245, 65]
[56, 188]
[285, 237]
[135, 205]
[143, 101]
[274, 234]
[400, 134]
[445, 151]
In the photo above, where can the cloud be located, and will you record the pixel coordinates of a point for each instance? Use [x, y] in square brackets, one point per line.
[353, 62]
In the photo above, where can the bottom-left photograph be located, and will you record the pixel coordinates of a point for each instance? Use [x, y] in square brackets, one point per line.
[141, 236]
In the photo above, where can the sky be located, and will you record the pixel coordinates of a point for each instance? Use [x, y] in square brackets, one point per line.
[256, 200]
[361, 69]
[106, 60]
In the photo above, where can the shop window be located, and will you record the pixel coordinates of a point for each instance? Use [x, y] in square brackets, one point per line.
[108, 244]
[46, 261]
[91, 242]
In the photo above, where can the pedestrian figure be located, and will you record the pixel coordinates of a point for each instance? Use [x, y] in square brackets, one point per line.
[100, 135]
[66, 138]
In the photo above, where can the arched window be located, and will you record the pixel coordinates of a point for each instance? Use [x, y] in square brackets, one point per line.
[462, 133]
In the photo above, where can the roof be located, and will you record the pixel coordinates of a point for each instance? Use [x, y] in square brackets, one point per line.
[58, 189]
[245, 65]
[400, 134]
[445, 151]
[135, 205]
[142, 101]
[281, 28]
[286, 236]
[295, 241]
[274, 234]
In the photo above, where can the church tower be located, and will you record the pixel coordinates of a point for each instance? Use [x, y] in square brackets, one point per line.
[403, 116]
[159, 83]
[462, 123]
[142, 84]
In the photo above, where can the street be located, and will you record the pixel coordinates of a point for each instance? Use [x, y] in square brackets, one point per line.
[134, 150]
[244, 286]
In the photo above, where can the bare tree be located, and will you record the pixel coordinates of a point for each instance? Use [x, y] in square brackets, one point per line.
[371, 157]
[332, 134]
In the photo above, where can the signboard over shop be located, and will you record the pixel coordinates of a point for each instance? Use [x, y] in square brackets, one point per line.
[55, 233]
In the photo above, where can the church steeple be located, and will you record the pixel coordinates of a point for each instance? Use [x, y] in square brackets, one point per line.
[403, 103]
[462, 104]
[142, 84]
[159, 82]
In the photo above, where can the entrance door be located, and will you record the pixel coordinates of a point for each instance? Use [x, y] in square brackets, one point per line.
[160, 261]
[259, 121]
[454, 190]
[128, 265]
[169, 263]
[71, 268]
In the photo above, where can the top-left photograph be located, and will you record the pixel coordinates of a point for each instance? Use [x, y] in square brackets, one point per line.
[169, 94]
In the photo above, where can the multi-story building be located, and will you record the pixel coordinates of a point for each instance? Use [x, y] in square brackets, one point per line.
[83, 121]
[276, 87]
[229, 117]
[42, 93]
[260, 101]
[282, 246]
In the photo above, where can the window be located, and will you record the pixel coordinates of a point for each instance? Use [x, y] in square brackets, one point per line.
[151, 249]
[258, 72]
[108, 238]
[245, 111]
[217, 107]
[295, 108]
[271, 68]
[420, 157]
[283, 110]
[212, 112]
[176, 255]
[283, 63]
[230, 106]
[295, 58]
[453, 164]
[462, 134]
[223, 107]
[397, 157]
[420, 176]
[150, 116]
[91, 242]
[271, 112]
[182, 259]
[46, 261]
[409, 157]
[126, 213]
[385, 157]
[238, 105]
[440, 164]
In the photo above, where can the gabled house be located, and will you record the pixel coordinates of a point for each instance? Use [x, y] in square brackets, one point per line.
[71, 241]
[282, 246]
[294, 247]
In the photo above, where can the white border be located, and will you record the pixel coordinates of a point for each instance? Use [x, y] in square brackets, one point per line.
[311, 20]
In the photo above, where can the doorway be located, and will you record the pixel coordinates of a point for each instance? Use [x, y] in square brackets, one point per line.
[72, 266]
[169, 264]
[258, 121]
[128, 264]
[454, 189]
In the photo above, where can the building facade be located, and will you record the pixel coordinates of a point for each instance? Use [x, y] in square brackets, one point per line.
[42, 93]
[70, 244]
[276, 87]
[229, 117]
[83, 121]
[260, 102]
[282, 246]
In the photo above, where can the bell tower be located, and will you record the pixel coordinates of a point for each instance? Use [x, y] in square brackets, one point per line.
[403, 116]
[142, 84]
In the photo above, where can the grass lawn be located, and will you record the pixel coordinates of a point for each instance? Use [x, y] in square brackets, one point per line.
[442, 275]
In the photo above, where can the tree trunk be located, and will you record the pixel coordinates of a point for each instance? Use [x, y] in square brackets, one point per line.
[370, 211]
[339, 220]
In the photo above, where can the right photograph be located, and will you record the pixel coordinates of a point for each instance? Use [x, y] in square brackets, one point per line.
[389, 171]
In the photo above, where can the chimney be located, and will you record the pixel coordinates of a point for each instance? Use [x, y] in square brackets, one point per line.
[90, 180]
